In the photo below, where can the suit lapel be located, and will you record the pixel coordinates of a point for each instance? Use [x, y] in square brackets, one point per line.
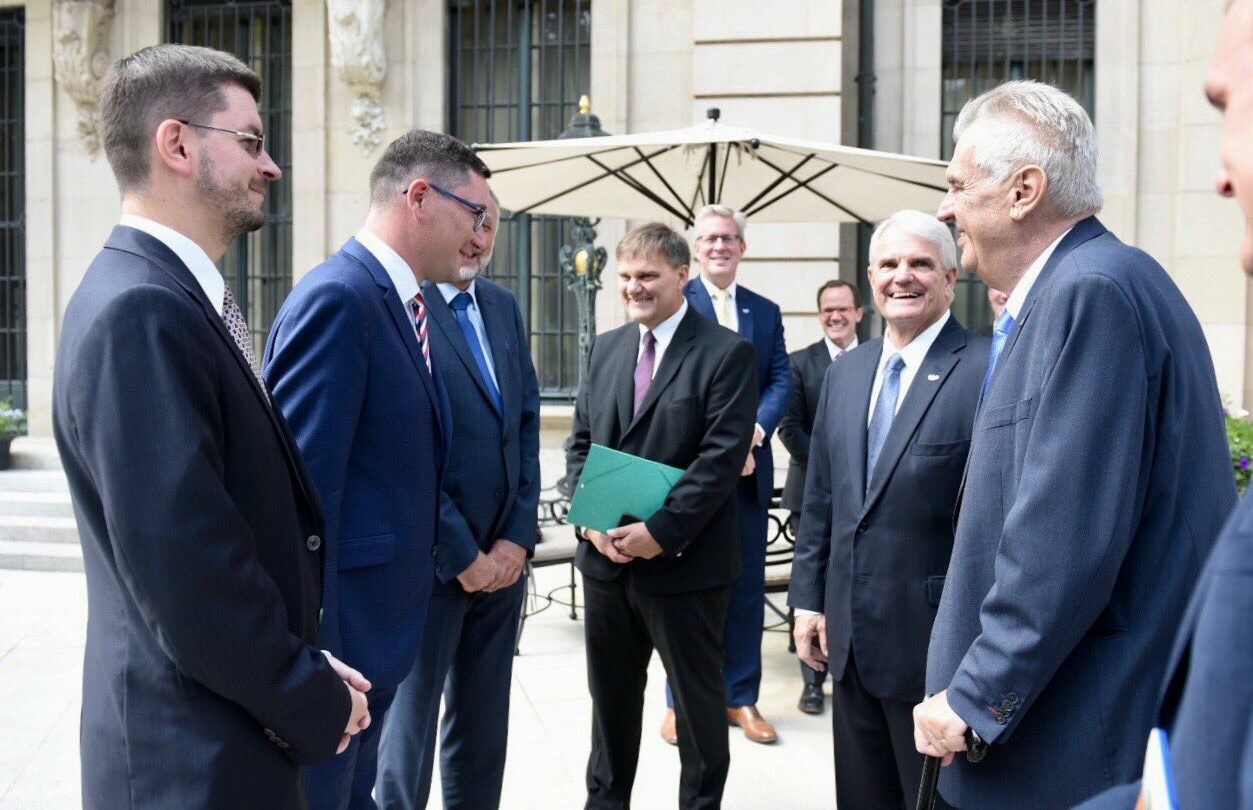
[496, 322]
[679, 346]
[935, 368]
[446, 321]
[699, 299]
[624, 378]
[743, 300]
[865, 364]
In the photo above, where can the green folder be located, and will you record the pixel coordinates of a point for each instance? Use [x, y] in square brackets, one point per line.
[615, 485]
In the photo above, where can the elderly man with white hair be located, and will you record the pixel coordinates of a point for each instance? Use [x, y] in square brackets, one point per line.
[1098, 476]
[886, 454]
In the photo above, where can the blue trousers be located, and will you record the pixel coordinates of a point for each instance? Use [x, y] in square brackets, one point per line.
[345, 782]
[467, 658]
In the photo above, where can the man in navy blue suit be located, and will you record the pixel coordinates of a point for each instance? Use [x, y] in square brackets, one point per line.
[715, 294]
[353, 368]
[1207, 699]
[487, 511]
[1098, 478]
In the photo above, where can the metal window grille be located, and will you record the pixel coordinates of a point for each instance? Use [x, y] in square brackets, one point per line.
[258, 266]
[987, 42]
[517, 69]
[12, 208]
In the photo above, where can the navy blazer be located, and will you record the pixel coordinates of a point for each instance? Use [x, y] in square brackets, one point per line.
[809, 368]
[482, 500]
[874, 562]
[761, 324]
[345, 367]
[1098, 480]
[202, 687]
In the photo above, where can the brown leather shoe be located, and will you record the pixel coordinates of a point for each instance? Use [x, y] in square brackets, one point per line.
[669, 728]
[756, 727]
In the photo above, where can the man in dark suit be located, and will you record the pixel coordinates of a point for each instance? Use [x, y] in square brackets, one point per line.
[674, 388]
[715, 294]
[889, 444]
[839, 312]
[1099, 474]
[352, 366]
[488, 507]
[201, 531]
[1207, 703]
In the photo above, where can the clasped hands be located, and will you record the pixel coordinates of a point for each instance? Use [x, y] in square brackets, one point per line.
[498, 568]
[358, 685]
[621, 545]
[938, 731]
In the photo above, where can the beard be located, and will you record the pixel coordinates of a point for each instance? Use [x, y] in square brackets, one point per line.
[470, 272]
[239, 214]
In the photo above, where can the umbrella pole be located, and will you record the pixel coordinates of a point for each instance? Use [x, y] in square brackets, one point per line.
[713, 174]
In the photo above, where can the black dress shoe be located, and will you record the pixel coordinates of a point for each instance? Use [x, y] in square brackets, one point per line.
[811, 701]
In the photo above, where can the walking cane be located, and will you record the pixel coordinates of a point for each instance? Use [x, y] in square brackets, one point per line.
[976, 750]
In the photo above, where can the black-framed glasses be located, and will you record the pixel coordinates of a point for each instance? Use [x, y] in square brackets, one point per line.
[728, 239]
[480, 211]
[253, 143]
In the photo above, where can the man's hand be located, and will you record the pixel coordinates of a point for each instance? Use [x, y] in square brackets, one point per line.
[635, 540]
[510, 557]
[604, 544]
[810, 634]
[759, 435]
[750, 464]
[938, 731]
[349, 675]
[480, 575]
[358, 719]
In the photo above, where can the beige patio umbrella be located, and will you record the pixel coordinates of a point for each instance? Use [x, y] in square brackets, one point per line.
[670, 175]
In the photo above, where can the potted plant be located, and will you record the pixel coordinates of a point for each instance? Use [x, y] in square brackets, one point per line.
[1240, 440]
[12, 425]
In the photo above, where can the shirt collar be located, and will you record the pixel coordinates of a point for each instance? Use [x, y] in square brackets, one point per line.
[188, 252]
[449, 291]
[712, 288]
[834, 350]
[1018, 297]
[665, 330]
[398, 270]
[916, 351]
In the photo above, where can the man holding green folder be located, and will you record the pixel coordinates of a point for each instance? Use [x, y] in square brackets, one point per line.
[671, 389]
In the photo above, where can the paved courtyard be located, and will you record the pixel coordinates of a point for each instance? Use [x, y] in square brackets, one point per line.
[42, 621]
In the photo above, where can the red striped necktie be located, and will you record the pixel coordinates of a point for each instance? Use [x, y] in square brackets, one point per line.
[419, 324]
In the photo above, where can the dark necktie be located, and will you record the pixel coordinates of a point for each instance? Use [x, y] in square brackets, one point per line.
[1001, 330]
[419, 325]
[644, 370]
[884, 413]
[233, 317]
[461, 308]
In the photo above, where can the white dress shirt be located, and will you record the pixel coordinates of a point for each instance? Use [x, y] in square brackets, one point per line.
[397, 269]
[450, 291]
[189, 253]
[663, 334]
[713, 291]
[1013, 305]
[913, 355]
[836, 351]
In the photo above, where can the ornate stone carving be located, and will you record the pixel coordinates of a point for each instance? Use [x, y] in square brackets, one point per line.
[359, 59]
[80, 56]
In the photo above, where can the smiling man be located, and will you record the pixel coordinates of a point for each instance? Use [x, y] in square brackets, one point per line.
[673, 387]
[1098, 478]
[889, 443]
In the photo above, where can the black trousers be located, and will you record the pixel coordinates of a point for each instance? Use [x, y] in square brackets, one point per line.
[877, 766]
[623, 624]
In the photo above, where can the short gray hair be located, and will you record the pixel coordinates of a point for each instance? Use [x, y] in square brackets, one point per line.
[925, 227]
[1035, 123]
[741, 221]
[433, 156]
[160, 82]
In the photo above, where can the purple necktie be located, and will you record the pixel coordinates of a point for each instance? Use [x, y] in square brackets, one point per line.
[644, 370]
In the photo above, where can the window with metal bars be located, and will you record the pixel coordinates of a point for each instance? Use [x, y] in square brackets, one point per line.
[12, 207]
[258, 266]
[516, 71]
[987, 42]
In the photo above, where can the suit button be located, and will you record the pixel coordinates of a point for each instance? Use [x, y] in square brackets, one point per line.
[861, 528]
[435, 551]
[1012, 698]
[313, 543]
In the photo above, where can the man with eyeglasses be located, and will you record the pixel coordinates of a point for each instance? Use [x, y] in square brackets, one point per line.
[351, 364]
[715, 294]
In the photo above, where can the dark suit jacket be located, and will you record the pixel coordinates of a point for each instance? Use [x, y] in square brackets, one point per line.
[201, 687]
[1099, 477]
[698, 416]
[809, 367]
[491, 482]
[875, 563]
[761, 324]
[346, 369]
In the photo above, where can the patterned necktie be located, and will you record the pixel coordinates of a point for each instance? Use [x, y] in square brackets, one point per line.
[460, 304]
[723, 310]
[644, 370]
[419, 325]
[884, 413]
[238, 327]
[1001, 330]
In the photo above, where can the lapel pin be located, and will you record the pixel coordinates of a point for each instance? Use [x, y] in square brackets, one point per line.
[933, 377]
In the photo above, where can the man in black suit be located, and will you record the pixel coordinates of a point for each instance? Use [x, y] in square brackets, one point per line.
[201, 530]
[839, 312]
[487, 516]
[676, 388]
[889, 444]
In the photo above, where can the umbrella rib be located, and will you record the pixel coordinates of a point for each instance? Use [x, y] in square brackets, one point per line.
[726, 164]
[851, 168]
[805, 184]
[606, 173]
[778, 180]
[554, 161]
[663, 180]
[640, 188]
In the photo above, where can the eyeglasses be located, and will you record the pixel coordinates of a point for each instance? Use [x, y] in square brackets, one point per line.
[480, 211]
[253, 143]
[728, 239]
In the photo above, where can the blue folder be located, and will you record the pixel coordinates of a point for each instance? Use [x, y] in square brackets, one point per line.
[616, 485]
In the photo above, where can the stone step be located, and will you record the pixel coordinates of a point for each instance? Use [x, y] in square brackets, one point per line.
[35, 454]
[33, 481]
[38, 529]
[32, 555]
[41, 504]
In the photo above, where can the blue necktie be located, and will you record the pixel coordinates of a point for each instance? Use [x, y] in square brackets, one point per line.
[1001, 330]
[884, 412]
[460, 305]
